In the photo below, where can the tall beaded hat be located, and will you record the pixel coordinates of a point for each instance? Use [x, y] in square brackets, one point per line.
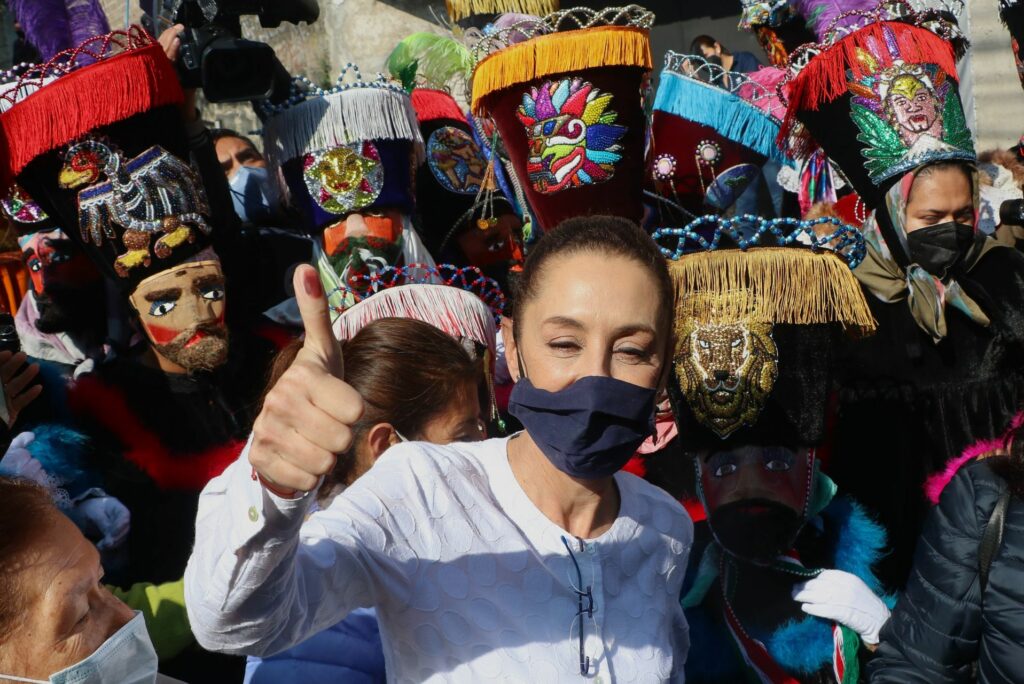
[456, 188]
[710, 133]
[564, 92]
[352, 147]
[879, 92]
[778, 29]
[759, 305]
[458, 300]
[1011, 13]
[96, 139]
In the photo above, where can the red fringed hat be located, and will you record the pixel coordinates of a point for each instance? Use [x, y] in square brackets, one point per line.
[879, 94]
[96, 139]
[565, 94]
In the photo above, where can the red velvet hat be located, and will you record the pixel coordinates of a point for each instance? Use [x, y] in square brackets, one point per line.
[567, 104]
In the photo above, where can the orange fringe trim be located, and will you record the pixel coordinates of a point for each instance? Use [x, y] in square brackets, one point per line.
[560, 53]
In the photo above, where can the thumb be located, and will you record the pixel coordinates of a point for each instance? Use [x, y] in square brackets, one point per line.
[316, 319]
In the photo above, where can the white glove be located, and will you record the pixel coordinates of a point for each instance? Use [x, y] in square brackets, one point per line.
[104, 516]
[18, 461]
[844, 598]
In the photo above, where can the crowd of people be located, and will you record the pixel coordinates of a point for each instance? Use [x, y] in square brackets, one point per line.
[538, 366]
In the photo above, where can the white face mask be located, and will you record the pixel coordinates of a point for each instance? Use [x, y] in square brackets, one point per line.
[127, 657]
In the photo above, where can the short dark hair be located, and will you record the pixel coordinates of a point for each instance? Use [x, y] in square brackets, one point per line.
[26, 511]
[706, 41]
[218, 133]
[610, 235]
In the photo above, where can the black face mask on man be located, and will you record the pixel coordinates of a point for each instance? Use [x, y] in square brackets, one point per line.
[939, 249]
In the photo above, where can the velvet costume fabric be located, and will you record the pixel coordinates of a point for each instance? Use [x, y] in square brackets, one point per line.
[795, 412]
[908, 405]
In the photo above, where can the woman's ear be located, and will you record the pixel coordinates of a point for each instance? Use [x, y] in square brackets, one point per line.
[379, 439]
[511, 350]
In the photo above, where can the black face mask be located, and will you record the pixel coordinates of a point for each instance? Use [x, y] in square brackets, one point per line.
[939, 249]
[756, 530]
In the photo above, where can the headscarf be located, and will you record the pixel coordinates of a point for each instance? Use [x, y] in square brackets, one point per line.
[926, 295]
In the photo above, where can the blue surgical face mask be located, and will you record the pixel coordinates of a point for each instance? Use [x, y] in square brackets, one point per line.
[251, 193]
[127, 657]
[591, 428]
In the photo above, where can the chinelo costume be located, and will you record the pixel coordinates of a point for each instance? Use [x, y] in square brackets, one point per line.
[61, 320]
[880, 95]
[564, 95]
[352, 149]
[464, 217]
[759, 307]
[96, 139]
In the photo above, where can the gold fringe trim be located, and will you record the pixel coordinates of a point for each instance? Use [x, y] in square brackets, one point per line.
[460, 9]
[561, 53]
[770, 285]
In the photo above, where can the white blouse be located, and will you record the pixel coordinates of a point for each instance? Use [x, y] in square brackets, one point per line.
[470, 580]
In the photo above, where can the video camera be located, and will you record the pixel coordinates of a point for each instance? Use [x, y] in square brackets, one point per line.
[215, 57]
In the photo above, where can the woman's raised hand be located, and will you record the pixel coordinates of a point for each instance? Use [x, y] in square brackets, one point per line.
[307, 416]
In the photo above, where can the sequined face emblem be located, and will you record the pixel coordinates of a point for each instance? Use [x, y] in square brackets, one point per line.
[20, 207]
[727, 187]
[456, 160]
[344, 179]
[908, 115]
[726, 372]
[153, 194]
[573, 137]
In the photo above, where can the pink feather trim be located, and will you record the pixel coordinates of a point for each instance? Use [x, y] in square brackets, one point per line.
[936, 484]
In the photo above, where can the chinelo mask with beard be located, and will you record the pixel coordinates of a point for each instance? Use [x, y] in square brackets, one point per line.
[756, 498]
[67, 287]
[182, 312]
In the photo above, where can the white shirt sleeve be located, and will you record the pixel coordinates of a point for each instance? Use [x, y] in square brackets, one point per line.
[261, 578]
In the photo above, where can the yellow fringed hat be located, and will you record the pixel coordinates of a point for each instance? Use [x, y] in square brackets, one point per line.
[564, 92]
[459, 10]
[759, 306]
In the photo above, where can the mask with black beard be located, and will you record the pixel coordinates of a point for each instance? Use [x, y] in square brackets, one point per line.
[66, 308]
[203, 348]
[756, 530]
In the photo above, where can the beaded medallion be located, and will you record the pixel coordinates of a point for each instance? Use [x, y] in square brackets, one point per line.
[345, 178]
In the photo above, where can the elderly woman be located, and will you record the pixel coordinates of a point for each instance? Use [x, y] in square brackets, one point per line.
[58, 622]
[528, 557]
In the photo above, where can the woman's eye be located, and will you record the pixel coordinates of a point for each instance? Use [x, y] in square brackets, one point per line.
[161, 307]
[213, 294]
[564, 345]
[777, 465]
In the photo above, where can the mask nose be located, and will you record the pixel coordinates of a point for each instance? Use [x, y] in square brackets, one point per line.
[721, 375]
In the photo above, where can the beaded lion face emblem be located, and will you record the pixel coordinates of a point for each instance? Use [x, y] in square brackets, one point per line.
[725, 371]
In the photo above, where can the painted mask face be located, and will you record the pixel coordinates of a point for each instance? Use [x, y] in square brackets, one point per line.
[484, 248]
[914, 108]
[363, 243]
[456, 160]
[182, 311]
[53, 259]
[756, 498]
[726, 372]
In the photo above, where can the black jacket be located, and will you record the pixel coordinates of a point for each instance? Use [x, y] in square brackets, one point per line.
[942, 624]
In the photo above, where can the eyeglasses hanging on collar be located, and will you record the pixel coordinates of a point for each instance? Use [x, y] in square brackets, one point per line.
[585, 604]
